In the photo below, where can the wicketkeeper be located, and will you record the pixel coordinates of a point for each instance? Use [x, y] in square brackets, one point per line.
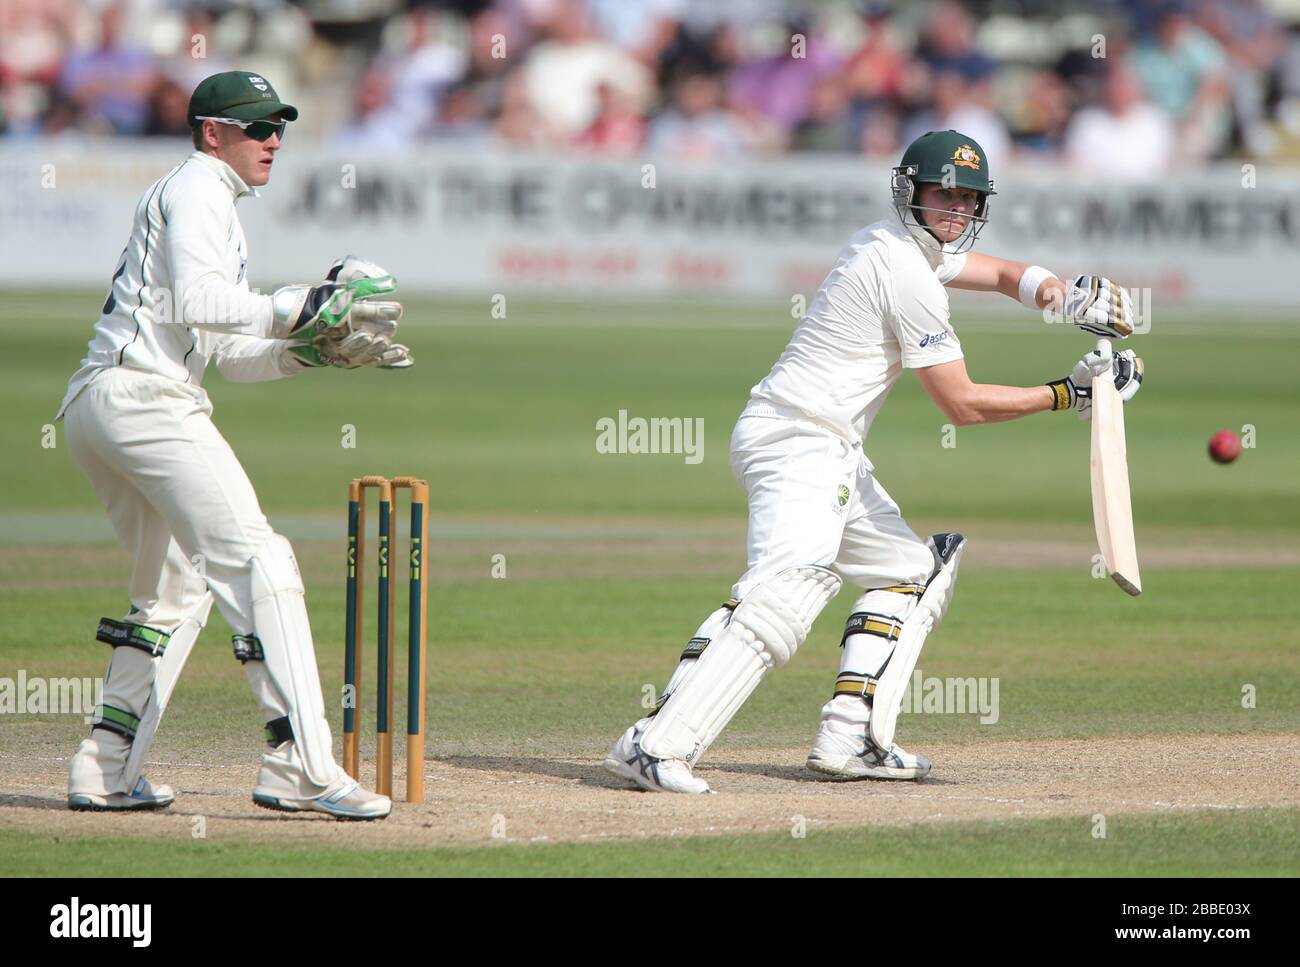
[139, 425]
[817, 514]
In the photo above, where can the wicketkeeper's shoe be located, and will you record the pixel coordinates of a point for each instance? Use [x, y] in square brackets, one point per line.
[852, 755]
[144, 796]
[282, 784]
[627, 761]
[344, 800]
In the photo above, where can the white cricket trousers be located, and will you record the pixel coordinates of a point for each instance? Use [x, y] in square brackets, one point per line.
[814, 499]
[175, 492]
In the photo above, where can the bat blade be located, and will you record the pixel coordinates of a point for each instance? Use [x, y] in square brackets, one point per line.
[1112, 508]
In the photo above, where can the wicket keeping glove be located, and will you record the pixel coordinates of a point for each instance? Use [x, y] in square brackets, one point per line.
[366, 336]
[1075, 391]
[299, 309]
[1099, 306]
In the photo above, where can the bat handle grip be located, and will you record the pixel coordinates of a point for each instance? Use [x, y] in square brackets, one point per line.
[1104, 347]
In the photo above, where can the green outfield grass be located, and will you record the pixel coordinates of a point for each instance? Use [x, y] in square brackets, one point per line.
[1159, 669]
[1247, 843]
[500, 415]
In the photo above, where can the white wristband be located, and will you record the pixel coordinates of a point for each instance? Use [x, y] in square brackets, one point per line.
[1034, 277]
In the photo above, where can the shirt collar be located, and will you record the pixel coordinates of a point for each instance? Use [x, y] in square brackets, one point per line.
[238, 187]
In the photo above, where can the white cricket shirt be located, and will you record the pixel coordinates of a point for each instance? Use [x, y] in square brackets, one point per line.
[179, 298]
[882, 308]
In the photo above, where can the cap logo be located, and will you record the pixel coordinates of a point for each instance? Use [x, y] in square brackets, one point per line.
[966, 157]
[258, 82]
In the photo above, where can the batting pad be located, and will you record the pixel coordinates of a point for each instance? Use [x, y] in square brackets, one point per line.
[929, 611]
[765, 630]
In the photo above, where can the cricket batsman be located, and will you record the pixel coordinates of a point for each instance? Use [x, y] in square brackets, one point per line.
[818, 516]
[138, 423]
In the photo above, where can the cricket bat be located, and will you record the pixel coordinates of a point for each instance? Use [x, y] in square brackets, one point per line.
[1112, 508]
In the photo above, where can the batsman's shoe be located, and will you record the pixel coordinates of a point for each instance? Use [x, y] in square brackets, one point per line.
[282, 784]
[144, 796]
[627, 761]
[854, 756]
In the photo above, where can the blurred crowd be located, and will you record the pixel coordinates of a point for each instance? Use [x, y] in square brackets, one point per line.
[1120, 88]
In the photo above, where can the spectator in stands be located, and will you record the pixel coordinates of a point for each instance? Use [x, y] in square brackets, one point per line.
[697, 127]
[643, 28]
[877, 69]
[34, 36]
[461, 117]
[62, 119]
[1254, 42]
[564, 72]
[619, 128]
[376, 123]
[518, 123]
[828, 126]
[112, 81]
[1184, 72]
[879, 133]
[419, 77]
[1126, 137]
[689, 51]
[780, 87]
[947, 45]
[168, 110]
[492, 38]
[964, 102]
[1045, 113]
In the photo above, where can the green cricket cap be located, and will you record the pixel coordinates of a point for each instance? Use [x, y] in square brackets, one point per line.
[942, 155]
[239, 95]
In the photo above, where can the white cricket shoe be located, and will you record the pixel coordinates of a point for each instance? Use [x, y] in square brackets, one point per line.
[144, 796]
[343, 800]
[95, 778]
[627, 761]
[852, 755]
[282, 784]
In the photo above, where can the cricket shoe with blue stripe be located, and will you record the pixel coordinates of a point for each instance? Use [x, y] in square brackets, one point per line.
[282, 784]
[855, 756]
[345, 799]
[144, 796]
[627, 761]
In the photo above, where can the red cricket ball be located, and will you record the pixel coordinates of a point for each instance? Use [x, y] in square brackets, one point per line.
[1225, 447]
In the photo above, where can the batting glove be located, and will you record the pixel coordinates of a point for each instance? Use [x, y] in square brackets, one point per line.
[1075, 391]
[1099, 306]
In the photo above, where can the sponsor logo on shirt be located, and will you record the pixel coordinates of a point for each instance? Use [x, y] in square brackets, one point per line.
[932, 339]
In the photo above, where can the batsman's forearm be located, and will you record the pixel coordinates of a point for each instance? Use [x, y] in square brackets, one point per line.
[992, 403]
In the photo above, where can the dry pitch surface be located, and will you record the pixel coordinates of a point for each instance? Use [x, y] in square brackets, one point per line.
[475, 801]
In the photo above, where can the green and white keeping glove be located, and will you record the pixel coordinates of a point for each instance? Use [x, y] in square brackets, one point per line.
[366, 338]
[361, 335]
[327, 305]
[1075, 391]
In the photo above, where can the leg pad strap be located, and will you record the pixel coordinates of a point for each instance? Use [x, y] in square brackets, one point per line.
[132, 635]
[279, 731]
